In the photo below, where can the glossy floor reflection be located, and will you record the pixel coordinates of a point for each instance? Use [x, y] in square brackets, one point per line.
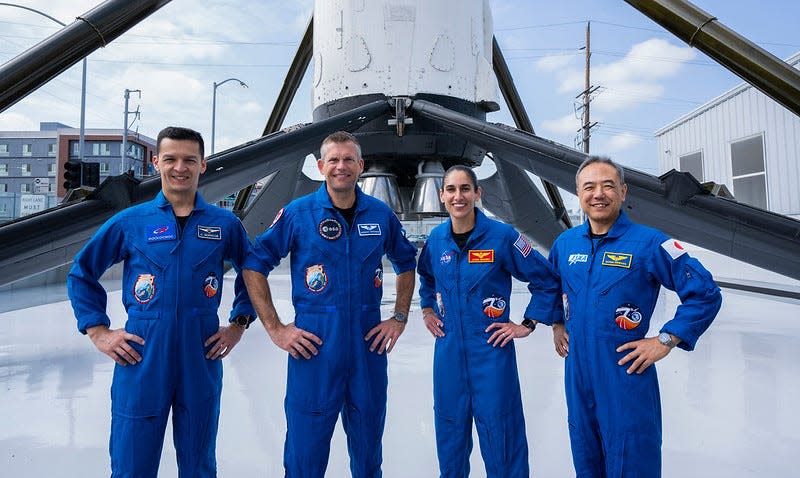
[730, 407]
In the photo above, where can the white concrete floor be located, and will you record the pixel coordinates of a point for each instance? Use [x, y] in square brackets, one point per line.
[730, 407]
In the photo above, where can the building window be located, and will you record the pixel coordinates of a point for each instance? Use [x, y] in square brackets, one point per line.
[3, 150]
[3, 209]
[3, 188]
[25, 188]
[693, 164]
[52, 169]
[25, 169]
[27, 150]
[52, 149]
[101, 149]
[749, 176]
[76, 148]
[104, 167]
[52, 187]
[3, 170]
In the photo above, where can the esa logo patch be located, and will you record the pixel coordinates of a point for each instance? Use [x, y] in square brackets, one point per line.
[210, 285]
[494, 307]
[330, 229]
[144, 289]
[481, 256]
[628, 316]
[617, 259]
[316, 279]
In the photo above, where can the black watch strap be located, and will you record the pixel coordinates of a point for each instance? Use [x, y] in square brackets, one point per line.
[529, 323]
[242, 321]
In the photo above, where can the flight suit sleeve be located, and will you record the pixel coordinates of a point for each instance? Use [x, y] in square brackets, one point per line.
[402, 254]
[86, 294]
[526, 264]
[427, 282]
[553, 260]
[239, 249]
[273, 244]
[700, 297]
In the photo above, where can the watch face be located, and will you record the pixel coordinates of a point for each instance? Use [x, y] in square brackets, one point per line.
[243, 321]
[665, 339]
[400, 317]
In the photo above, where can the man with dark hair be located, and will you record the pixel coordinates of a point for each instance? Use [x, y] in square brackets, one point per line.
[611, 272]
[168, 352]
[337, 237]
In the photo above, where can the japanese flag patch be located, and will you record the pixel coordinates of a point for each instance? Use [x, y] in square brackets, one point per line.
[673, 248]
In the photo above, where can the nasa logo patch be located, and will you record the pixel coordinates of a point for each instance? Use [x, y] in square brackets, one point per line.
[210, 285]
[316, 279]
[144, 289]
[330, 229]
[277, 216]
[494, 307]
[628, 316]
[445, 258]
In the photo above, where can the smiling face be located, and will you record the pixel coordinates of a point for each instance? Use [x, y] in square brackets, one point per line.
[459, 195]
[340, 166]
[180, 164]
[601, 194]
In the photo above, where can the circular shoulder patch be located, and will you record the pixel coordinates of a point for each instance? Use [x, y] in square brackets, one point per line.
[330, 229]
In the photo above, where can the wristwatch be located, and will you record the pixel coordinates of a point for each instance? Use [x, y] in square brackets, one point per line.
[399, 316]
[242, 321]
[529, 323]
[666, 339]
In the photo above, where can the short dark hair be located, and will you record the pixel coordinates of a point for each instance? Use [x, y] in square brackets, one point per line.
[340, 137]
[460, 167]
[604, 160]
[178, 133]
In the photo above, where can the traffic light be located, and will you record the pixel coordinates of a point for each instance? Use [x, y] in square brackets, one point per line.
[90, 174]
[72, 174]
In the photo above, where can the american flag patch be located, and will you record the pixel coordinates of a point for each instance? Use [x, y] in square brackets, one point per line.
[523, 246]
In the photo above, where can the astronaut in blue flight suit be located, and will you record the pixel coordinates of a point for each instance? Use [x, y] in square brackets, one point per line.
[337, 238]
[465, 273]
[167, 355]
[611, 271]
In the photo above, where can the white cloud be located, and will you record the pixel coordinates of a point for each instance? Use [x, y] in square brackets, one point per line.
[17, 122]
[566, 125]
[642, 69]
[622, 142]
[554, 62]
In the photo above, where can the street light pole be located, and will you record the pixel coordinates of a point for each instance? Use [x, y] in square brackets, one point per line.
[83, 80]
[124, 152]
[214, 106]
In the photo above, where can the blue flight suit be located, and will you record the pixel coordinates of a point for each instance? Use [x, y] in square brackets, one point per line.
[470, 289]
[171, 290]
[610, 287]
[337, 284]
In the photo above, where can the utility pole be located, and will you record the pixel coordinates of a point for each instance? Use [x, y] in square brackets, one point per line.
[586, 124]
[124, 152]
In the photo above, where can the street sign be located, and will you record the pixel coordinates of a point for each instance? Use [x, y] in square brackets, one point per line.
[31, 203]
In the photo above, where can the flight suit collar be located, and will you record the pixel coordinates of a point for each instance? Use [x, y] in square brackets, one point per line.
[161, 202]
[323, 199]
[618, 229]
[481, 226]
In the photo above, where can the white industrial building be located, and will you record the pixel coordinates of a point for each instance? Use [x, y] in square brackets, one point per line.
[744, 140]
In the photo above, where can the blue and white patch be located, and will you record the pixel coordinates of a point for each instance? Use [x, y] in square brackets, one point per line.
[369, 229]
[213, 233]
[316, 278]
[144, 289]
[446, 258]
[161, 232]
[330, 229]
[575, 258]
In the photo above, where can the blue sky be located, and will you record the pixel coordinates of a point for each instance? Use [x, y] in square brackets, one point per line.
[647, 78]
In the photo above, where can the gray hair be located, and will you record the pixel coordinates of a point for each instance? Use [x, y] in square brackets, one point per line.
[603, 160]
[340, 137]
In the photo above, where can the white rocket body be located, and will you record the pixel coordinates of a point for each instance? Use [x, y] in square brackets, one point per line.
[403, 48]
